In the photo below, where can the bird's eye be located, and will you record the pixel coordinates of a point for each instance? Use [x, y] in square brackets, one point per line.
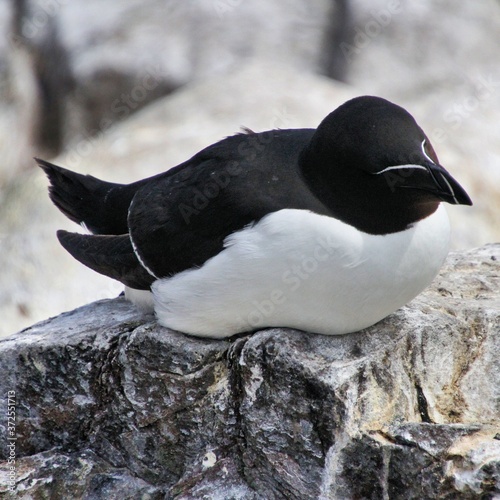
[429, 152]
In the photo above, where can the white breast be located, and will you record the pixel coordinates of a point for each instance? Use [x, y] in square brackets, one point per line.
[302, 270]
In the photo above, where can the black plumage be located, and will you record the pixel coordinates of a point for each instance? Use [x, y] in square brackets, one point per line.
[177, 220]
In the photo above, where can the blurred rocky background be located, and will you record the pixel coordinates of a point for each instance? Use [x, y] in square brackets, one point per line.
[123, 90]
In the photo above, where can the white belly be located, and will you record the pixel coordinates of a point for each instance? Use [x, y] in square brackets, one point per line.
[142, 299]
[301, 270]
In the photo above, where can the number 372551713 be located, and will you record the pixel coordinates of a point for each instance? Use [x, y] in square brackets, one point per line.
[11, 413]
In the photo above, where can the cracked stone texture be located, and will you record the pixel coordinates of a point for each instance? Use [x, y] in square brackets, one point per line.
[240, 63]
[111, 405]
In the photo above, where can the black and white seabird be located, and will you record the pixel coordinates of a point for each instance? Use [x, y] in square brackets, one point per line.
[326, 230]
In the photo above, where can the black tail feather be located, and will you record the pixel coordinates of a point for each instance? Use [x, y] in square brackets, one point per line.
[101, 206]
[110, 255]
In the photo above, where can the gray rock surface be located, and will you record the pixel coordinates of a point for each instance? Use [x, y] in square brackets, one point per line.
[109, 402]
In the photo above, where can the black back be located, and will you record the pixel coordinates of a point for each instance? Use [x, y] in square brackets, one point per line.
[180, 220]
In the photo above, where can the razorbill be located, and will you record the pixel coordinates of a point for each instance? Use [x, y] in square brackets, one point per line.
[326, 230]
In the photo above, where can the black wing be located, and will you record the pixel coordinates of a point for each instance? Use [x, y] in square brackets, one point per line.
[180, 221]
[112, 256]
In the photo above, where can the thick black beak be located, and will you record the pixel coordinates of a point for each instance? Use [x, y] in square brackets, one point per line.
[441, 184]
[447, 188]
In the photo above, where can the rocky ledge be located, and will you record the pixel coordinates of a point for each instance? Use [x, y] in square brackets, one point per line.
[110, 405]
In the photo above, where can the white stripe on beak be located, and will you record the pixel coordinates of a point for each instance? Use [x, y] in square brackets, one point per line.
[450, 188]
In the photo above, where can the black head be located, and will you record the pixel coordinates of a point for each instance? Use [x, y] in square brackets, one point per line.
[371, 153]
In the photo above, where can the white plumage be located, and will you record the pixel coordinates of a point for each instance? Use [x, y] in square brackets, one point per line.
[301, 270]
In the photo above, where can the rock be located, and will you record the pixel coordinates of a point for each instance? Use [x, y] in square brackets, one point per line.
[79, 475]
[107, 401]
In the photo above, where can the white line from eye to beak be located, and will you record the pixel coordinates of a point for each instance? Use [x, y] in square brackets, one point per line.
[398, 167]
